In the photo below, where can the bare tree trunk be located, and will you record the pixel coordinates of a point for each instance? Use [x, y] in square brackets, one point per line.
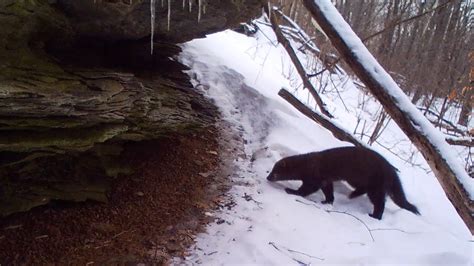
[417, 95]
[414, 33]
[408, 122]
[444, 107]
[431, 100]
[466, 109]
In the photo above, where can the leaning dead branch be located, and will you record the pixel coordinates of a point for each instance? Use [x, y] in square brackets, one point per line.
[324, 121]
[294, 58]
[467, 142]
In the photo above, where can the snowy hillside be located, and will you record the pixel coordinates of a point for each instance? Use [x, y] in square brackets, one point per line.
[269, 226]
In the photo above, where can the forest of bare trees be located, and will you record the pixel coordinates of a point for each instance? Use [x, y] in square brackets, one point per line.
[426, 45]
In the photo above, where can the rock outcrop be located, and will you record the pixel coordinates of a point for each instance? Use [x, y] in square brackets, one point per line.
[77, 81]
[130, 19]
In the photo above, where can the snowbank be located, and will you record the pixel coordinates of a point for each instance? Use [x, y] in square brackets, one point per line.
[268, 226]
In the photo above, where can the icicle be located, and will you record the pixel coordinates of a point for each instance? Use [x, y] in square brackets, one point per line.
[190, 2]
[184, 4]
[269, 10]
[162, 3]
[169, 14]
[199, 10]
[152, 13]
[204, 5]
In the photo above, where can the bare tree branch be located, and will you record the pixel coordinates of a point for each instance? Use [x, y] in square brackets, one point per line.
[461, 142]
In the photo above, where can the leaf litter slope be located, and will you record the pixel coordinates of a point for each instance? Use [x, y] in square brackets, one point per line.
[152, 214]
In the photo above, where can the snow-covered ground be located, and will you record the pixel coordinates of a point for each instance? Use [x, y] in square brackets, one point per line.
[268, 226]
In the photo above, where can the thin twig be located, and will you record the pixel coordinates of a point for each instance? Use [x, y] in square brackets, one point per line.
[401, 158]
[341, 212]
[328, 67]
[210, 253]
[357, 218]
[339, 94]
[302, 253]
[309, 204]
[248, 197]
[121, 233]
[277, 247]
[394, 229]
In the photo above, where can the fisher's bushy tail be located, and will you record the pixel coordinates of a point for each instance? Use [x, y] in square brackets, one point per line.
[398, 196]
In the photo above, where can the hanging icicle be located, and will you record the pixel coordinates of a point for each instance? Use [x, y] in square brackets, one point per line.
[169, 14]
[152, 16]
[190, 3]
[184, 4]
[269, 10]
[162, 3]
[199, 10]
[204, 5]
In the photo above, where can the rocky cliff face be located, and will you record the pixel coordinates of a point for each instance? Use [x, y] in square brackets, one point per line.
[77, 81]
[130, 19]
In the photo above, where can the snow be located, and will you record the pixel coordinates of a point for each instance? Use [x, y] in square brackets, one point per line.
[372, 66]
[269, 227]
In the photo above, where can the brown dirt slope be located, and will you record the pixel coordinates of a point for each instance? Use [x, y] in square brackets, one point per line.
[152, 214]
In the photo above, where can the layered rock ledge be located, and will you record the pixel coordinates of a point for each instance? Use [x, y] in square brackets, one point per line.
[77, 81]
